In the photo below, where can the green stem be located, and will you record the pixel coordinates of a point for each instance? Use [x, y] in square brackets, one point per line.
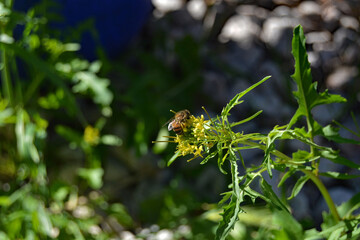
[325, 194]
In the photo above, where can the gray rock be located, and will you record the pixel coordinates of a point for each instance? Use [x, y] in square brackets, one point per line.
[341, 76]
[277, 33]
[331, 15]
[240, 29]
[349, 22]
[253, 11]
[309, 8]
[343, 37]
[351, 54]
[318, 37]
[283, 11]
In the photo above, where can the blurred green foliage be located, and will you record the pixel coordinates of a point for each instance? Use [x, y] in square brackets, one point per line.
[62, 122]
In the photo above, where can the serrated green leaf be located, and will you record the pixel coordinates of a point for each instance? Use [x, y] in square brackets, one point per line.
[226, 197]
[271, 196]
[208, 157]
[232, 210]
[298, 186]
[306, 95]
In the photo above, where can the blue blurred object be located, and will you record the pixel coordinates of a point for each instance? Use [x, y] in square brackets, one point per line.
[117, 22]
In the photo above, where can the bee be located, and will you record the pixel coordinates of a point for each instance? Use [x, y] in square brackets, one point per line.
[177, 122]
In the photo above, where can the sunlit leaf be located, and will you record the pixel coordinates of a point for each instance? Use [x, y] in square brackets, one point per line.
[111, 140]
[160, 143]
[306, 95]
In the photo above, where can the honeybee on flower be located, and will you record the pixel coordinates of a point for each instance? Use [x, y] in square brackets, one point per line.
[191, 133]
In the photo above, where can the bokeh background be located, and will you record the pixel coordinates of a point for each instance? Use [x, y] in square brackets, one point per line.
[173, 54]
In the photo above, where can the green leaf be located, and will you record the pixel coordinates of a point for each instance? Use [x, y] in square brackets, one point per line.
[48, 70]
[173, 158]
[221, 158]
[231, 211]
[271, 196]
[208, 157]
[69, 134]
[226, 197]
[337, 175]
[161, 141]
[44, 220]
[93, 176]
[111, 140]
[90, 82]
[246, 119]
[346, 209]
[336, 158]
[286, 176]
[306, 95]
[332, 134]
[298, 186]
[288, 224]
[25, 135]
[236, 100]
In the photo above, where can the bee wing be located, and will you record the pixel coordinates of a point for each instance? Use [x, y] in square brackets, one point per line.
[170, 120]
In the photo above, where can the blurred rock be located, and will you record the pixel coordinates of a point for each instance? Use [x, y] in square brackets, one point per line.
[331, 15]
[255, 12]
[240, 29]
[343, 37]
[163, 6]
[349, 22]
[309, 8]
[196, 8]
[341, 76]
[318, 37]
[277, 33]
[164, 234]
[310, 15]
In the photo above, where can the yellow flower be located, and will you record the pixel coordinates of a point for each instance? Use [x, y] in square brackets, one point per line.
[91, 135]
[199, 128]
[194, 139]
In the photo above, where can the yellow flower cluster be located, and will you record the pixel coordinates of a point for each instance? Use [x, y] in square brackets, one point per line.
[91, 135]
[198, 129]
[191, 142]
